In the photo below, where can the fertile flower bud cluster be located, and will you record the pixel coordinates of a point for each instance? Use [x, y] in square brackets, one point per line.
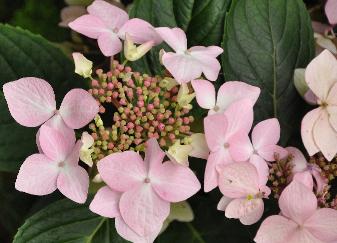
[329, 169]
[142, 107]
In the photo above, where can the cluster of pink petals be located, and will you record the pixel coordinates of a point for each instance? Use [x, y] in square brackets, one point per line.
[31, 102]
[138, 193]
[331, 11]
[243, 192]
[108, 24]
[319, 126]
[300, 220]
[185, 64]
[307, 174]
[56, 167]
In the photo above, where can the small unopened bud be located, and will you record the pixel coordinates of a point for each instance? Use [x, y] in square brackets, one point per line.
[83, 66]
[132, 52]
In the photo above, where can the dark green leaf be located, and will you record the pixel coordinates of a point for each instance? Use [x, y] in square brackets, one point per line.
[66, 221]
[264, 41]
[23, 54]
[202, 20]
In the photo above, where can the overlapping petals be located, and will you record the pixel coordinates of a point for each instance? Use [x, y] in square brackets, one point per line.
[185, 64]
[300, 220]
[319, 126]
[143, 191]
[108, 24]
[56, 167]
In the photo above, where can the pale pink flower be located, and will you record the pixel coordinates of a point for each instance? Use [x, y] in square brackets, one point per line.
[307, 174]
[147, 187]
[228, 93]
[31, 102]
[70, 13]
[242, 192]
[263, 147]
[319, 126]
[56, 167]
[185, 64]
[220, 132]
[331, 11]
[108, 24]
[300, 219]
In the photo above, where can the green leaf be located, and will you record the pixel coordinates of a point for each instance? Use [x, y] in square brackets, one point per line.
[264, 41]
[23, 54]
[66, 221]
[202, 20]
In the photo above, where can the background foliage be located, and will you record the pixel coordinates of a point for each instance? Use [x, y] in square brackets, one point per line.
[263, 41]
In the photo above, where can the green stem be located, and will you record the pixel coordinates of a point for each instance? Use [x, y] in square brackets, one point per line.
[195, 233]
[125, 62]
[91, 236]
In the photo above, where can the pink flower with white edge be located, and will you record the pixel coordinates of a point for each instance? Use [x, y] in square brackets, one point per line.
[185, 64]
[31, 102]
[56, 167]
[147, 187]
[243, 193]
[108, 24]
[263, 147]
[300, 219]
[220, 132]
[106, 203]
[319, 126]
[307, 174]
[228, 93]
[331, 11]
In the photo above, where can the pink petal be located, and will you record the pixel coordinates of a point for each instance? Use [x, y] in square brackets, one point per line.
[240, 147]
[261, 167]
[73, 182]
[211, 174]
[57, 123]
[331, 11]
[239, 116]
[305, 178]
[310, 97]
[275, 229]
[303, 236]
[174, 183]
[142, 210]
[238, 180]
[182, 67]
[320, 181]
[175, 38]
[140, 31]
[89, 26]
[74, 156]
[31, 101]
[325, 136]
[127, 233]
[112, 16]
[215, 127]
[109, 44]
[297, 202]
[322, 224]
[265, 133]
[153, 155]
[212, 51]
[54, 144]
[37, 175]
[307, 128]
[122, 171]
[321, 74]
[210, 65]
[78, 108]
[223, 203]
[106, 203]
[199, 145]
[205, 93]
[271, 152]
[319, 27]
[248, 211]
[233, 91]
[332, 110]
[298, 160]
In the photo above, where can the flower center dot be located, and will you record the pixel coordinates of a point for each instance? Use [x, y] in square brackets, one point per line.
[61, 164]
[147, 180]
[216, 108]
[226, 145]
